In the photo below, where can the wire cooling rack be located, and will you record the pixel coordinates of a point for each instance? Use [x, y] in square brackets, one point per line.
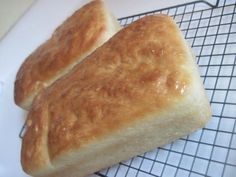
[211, 31]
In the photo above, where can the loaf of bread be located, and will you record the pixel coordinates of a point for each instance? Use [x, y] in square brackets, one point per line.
[76, 38]
[138, 91]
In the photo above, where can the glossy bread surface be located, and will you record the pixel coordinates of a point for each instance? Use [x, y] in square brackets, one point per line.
[120, 82]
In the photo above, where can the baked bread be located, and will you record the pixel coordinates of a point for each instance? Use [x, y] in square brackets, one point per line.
[87, 29]
[139, 90]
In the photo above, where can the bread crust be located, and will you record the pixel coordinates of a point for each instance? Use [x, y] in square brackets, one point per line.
[87, 29]
[144, 75]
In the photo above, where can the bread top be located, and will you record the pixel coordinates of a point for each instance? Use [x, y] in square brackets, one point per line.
[81, 33]
[143, 69]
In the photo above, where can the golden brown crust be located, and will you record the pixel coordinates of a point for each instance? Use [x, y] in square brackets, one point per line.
[134, 73]
[141, 70]
[75, 38]
[34, 143]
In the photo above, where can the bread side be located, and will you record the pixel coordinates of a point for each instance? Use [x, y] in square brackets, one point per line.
[87, 29]
[138, 91]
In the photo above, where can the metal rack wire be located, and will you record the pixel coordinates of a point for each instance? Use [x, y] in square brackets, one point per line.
[211, 31]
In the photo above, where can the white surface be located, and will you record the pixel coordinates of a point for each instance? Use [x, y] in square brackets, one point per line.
[10, 12]
[33, 29]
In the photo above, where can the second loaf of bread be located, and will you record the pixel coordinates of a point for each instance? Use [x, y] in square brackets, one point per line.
[88, 28]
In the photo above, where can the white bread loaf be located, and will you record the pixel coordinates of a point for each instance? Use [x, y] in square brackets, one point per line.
[138, 91]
